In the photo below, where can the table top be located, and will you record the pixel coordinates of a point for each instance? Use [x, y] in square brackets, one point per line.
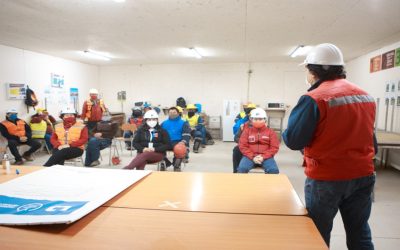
[121, 228]
[387, 138]
[23, 170]
[213, 192]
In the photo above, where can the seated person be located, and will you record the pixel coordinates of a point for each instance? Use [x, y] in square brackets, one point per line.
[17, 132]
[104, 132]
[137, 119]
[42, 126]
[178, 131]
[237, 131]
[198, 131]
[151, 142]
[259, 144]
[247, 108]
[69, 138]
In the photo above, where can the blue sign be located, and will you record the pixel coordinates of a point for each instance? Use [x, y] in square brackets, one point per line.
[20, 206]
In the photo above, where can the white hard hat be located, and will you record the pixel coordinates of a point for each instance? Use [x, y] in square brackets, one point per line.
[258, 113]
[93, 91]
[151, 114]
[68, 110]
[325, 54]
[12, 110]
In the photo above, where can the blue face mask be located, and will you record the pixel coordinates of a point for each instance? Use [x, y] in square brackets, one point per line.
[13, 117]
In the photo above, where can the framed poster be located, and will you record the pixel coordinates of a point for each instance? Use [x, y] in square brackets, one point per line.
[57, 81]
[397, 58]
[121, 96]
[388, 59]
[375, 64]
[16, 91]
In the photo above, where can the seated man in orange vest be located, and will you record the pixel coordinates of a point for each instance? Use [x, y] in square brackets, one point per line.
[93, 109]
[69, 138]
[17, 132]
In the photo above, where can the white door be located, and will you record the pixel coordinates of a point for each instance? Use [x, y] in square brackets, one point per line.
[231, 109]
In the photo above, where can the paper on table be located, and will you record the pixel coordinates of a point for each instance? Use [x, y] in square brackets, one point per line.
[61, 194]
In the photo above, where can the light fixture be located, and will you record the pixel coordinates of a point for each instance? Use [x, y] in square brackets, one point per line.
[300, 50]
[119, 1]
[95, 55]
[195, 53]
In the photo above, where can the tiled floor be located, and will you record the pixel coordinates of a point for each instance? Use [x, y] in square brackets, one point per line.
[385, 215]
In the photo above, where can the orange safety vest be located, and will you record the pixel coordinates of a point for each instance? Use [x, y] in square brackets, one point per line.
[15, 129]
[71, 135]
[89, 105]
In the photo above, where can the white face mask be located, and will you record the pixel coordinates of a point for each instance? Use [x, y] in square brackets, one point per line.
[151, 124]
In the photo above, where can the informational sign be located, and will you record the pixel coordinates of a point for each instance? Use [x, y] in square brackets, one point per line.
[375, 64]
[74, 97]
[397, 59]
[61, 194]
[121, 96]
[16, 91]
[57, 81]
[388, 60]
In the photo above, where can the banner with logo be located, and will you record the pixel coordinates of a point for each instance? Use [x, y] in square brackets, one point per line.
[61, 194]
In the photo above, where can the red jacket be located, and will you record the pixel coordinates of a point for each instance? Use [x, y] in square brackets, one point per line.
[254, 141]
[342, 147]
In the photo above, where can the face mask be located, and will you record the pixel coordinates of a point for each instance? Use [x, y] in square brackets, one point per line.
[13, 117]
[69, 121]
[191, 113]
[258, 124]
[151, 124]
[173, 116]
[93, 97]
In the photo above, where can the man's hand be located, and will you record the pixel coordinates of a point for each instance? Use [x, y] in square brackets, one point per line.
[98, 135]
[23, 138]
[63, 146]
[258, 159]
[145, 150]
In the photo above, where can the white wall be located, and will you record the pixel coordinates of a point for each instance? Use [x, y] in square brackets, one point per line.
[208, 84]
[375, 84]
[22, 66]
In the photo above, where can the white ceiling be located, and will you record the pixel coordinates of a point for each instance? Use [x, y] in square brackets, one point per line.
[155, 31]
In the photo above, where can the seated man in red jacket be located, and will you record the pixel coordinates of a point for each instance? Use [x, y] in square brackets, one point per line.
[258, 144]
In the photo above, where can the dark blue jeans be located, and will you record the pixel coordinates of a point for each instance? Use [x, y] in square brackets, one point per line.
[352, 198]
[93, 149]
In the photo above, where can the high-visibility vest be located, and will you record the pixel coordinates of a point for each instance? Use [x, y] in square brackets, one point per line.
[38, 129]
[193, 121]
[15, 129]
[71, 135]
[342, 147]
[89, 107]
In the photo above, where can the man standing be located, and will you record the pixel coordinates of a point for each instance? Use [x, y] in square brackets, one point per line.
[92, 110]
[334, 123]
[17, 132]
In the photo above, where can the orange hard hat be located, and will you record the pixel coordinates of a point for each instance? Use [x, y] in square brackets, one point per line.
[180, 150]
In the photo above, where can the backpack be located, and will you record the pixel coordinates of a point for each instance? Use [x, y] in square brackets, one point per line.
[181, 102]
[30, 99]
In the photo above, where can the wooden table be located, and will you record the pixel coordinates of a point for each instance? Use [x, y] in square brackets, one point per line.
[387, 141]
[119, 228]
[213, 192]
[23, 170]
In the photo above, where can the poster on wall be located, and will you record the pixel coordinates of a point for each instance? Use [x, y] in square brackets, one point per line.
[375, 64]
[74, 97]
[388, 60]
[397, 60]
[57, 81]
[15, 91]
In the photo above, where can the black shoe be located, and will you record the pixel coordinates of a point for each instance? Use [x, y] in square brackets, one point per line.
[18, 162]
[185, 160]
[196, 146]
[177, 165]
[210, 142]
[27, 157]
[162, 166]
[203, 146]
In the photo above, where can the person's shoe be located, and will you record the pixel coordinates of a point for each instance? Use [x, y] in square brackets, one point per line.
[162, 166]
[20, 162]
[185, 160]
[27, 157]
[177, 165]
[210, 142]
[203, 145]
[95, 163]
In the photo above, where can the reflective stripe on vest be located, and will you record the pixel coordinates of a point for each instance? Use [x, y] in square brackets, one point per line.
[38, 129]
[193, 121]
[89, 105]
[16, 130]
[71, 135]
[242, 114]
[342, 146]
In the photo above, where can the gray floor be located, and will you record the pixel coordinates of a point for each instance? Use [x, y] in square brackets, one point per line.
[385, 215]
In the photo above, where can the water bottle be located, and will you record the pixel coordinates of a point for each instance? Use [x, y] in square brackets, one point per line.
[6, 163]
